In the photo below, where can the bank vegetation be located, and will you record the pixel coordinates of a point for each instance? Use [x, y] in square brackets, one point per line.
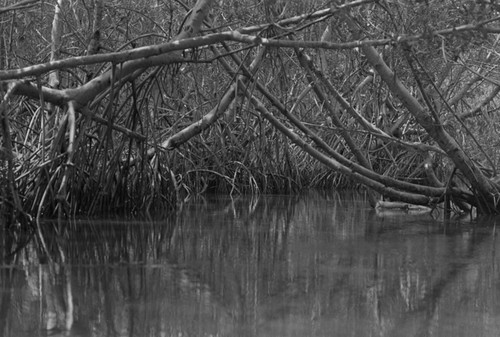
[133, 105]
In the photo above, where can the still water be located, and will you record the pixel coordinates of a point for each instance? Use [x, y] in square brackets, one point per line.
[309, 265]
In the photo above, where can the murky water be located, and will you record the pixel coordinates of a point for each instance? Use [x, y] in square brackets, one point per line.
[309, 265]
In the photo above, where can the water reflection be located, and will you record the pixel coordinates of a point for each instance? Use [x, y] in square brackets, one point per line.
[309, 265]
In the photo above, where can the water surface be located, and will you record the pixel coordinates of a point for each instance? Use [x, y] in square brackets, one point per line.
[310, 265]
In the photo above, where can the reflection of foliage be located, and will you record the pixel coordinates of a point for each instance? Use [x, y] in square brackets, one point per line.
[322, 262]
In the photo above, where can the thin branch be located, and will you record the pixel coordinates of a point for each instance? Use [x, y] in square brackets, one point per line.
[418, 199]
[475, 110]
[20, 5]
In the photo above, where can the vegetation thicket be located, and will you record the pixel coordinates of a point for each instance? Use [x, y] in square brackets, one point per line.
[133, 104]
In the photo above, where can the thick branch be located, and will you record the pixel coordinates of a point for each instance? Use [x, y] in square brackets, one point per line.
[56, 43]
[20, 5]
[306, 63]
[335, 165]
[188, 42]
[485, 189]
[207, 120]
[82, 95]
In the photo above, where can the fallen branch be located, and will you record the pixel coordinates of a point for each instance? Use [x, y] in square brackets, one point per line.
[402, 206]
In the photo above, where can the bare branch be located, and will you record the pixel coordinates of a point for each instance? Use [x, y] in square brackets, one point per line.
[20, 5]
[211, 39]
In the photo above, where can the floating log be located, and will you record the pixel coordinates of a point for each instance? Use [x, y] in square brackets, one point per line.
[401, 206]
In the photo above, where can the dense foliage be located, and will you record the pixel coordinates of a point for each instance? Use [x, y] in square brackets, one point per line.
[274, 115]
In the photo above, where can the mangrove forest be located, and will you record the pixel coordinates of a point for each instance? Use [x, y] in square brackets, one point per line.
[139, 105]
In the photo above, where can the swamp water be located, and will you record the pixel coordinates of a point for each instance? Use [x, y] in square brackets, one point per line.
[309, 265]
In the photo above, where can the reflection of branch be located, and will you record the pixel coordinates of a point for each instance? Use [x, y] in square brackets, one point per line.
[56, 281]
[430, 302]
[68, 298]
